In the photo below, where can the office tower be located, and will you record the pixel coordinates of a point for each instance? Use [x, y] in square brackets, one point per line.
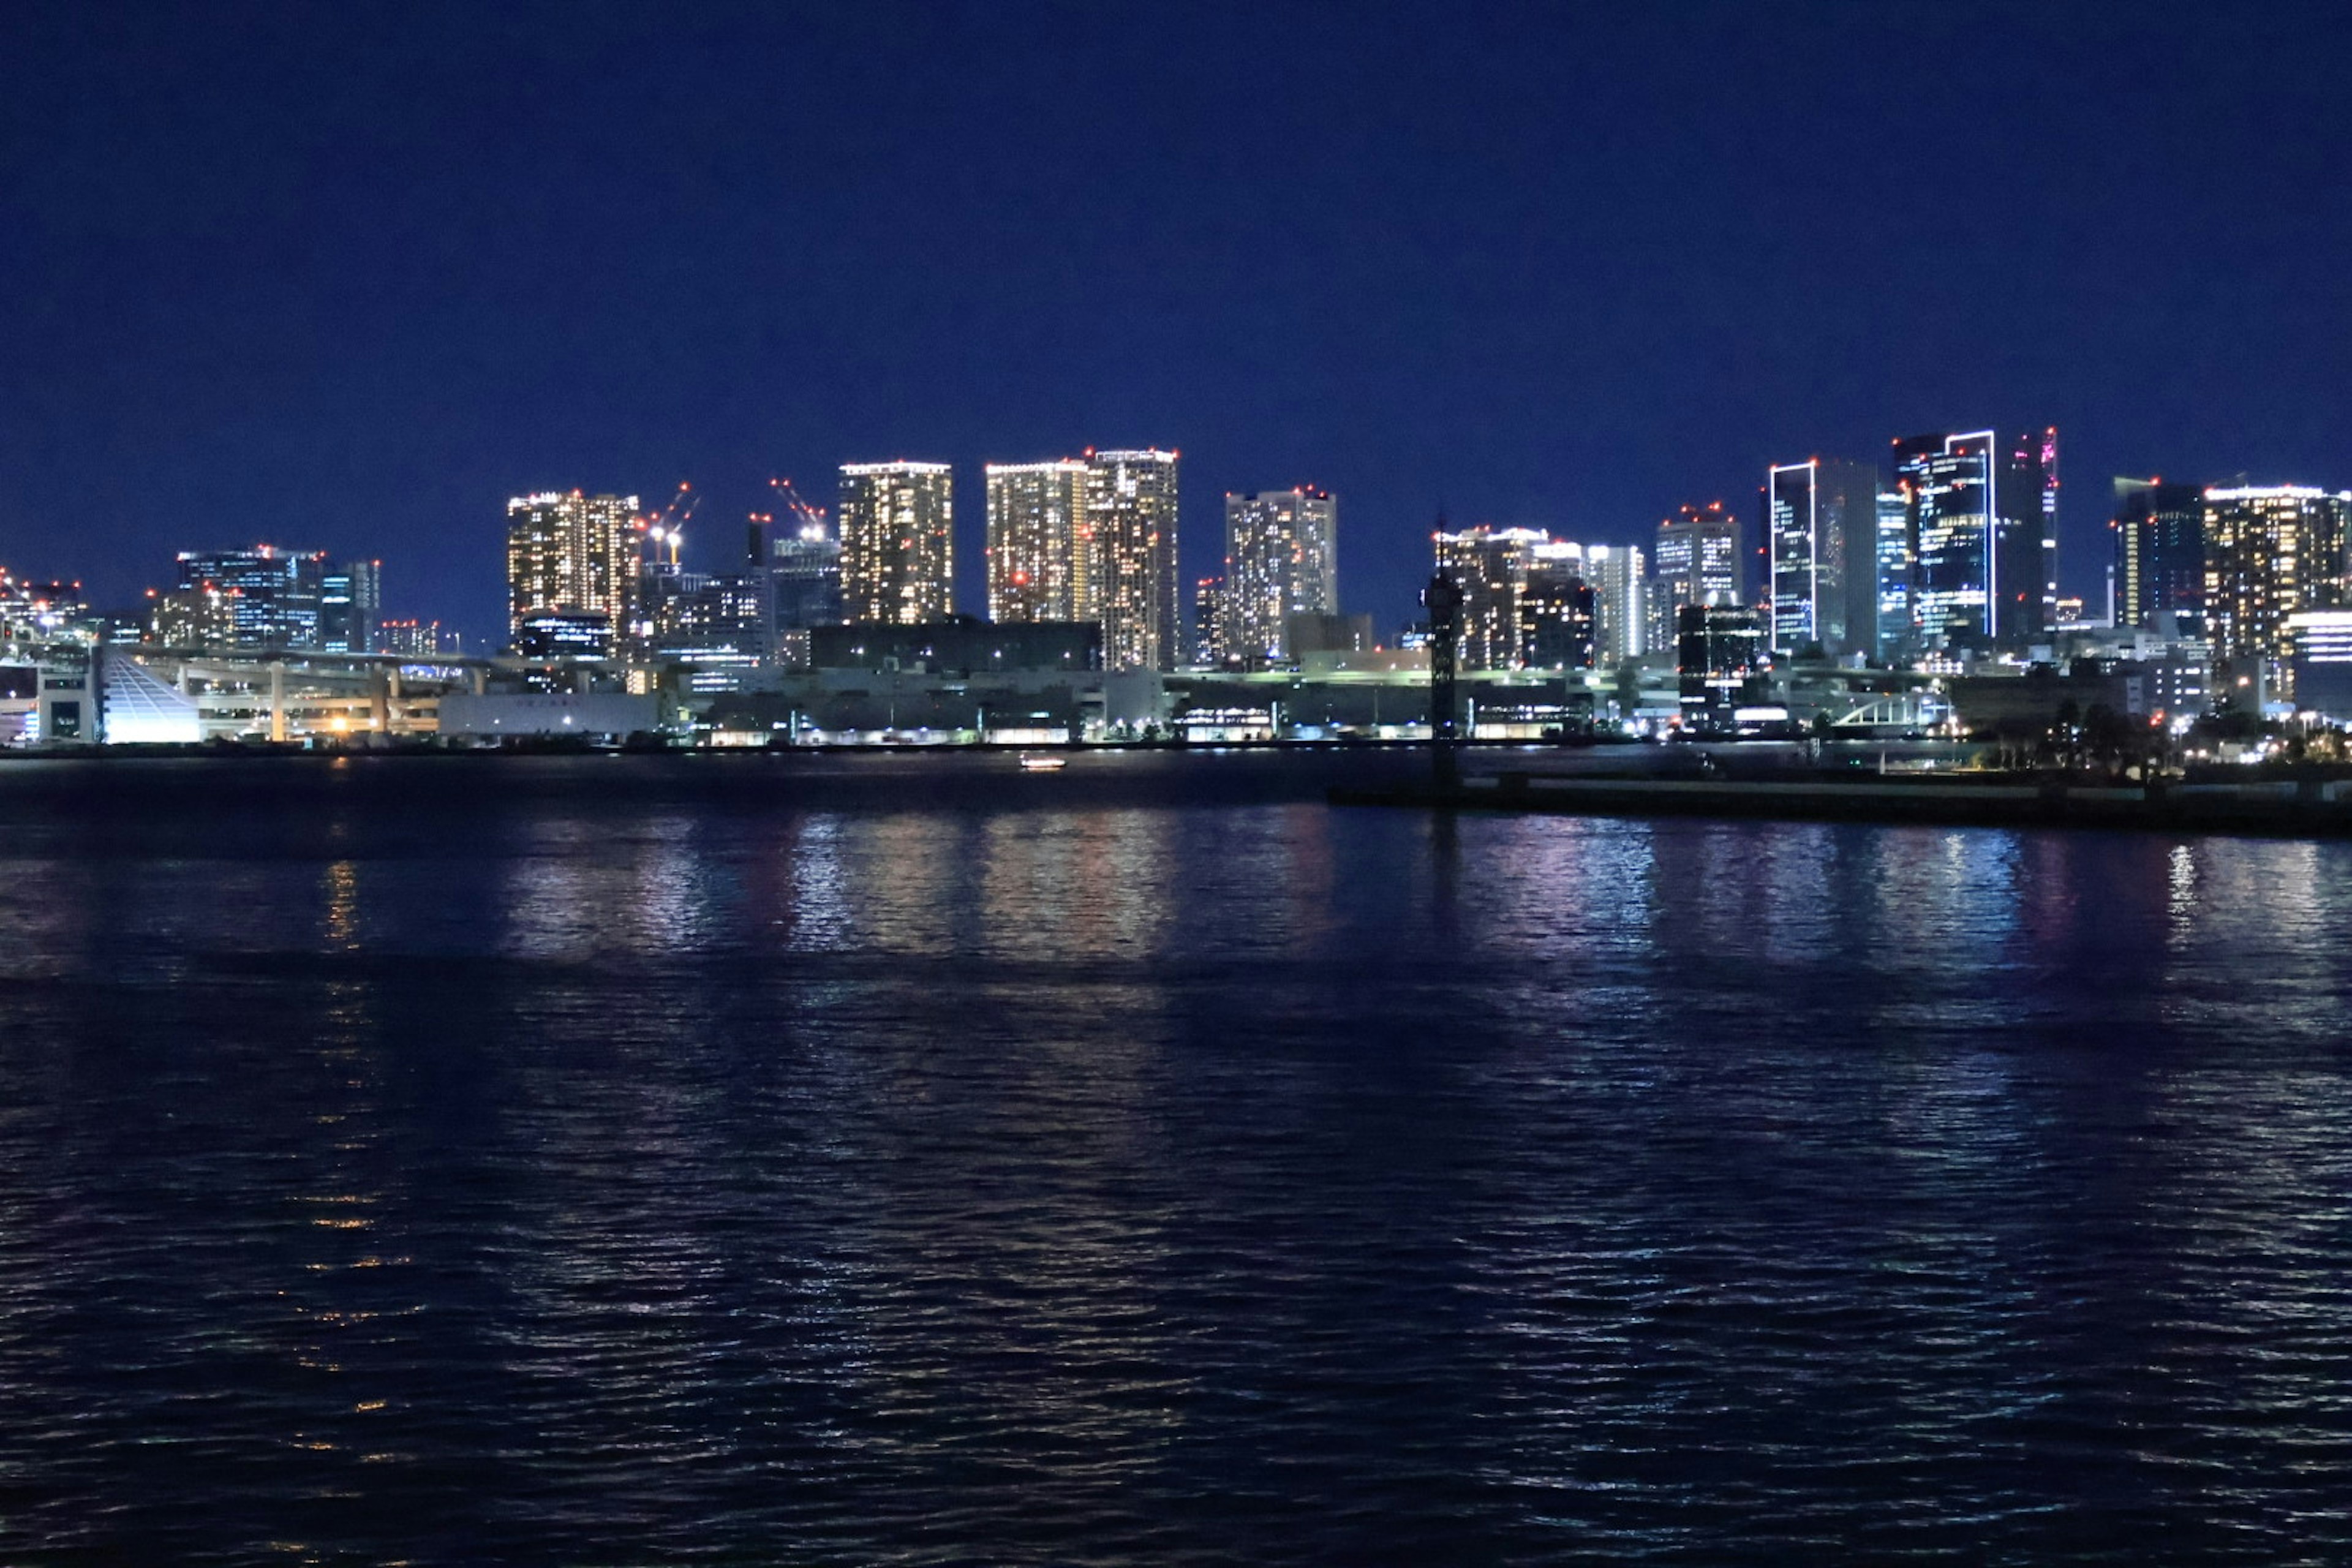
[1036, 526]
[351, 603]
[1209, 622]
[570, 556]
[2270, 551]
[274, 595]
[2043, 446]
[1620, 602]
[1823, 518]
[2159, 529]
[1896, 640]
[1131, 558]
[897, 562]
[1280, 560]
[414, 638]
[1490, 565]
[1720, 658]
[1977, 508]
[1696, 561]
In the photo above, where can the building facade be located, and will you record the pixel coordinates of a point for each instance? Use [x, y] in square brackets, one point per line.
[350, 604]
[1977, 510]
[2270, 552]
[2159, 540]
[570, 555]
[1822, 520]
[274, 597]
[1696, 561]
[897, 551]
[1491, 566]
[1037, 535]
[1620, 590]
[1131, 586]
[1281, 560]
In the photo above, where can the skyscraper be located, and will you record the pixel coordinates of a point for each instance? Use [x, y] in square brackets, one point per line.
[1280, 560]
[1823, 520]
[568, 555]
[1491, 566]
[2159, 528]
[898, 560]
[1131, 558]
[1209, 622]
[1036, 534]
[273, 596]
[1897, 638]
[2270, 551]
[1696, 562]
[351, 603]
[1977, 511]
[1620, 602]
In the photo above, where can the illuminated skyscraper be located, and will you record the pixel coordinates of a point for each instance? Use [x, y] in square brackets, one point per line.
[568, 555]
[1621, 591]
[898, 559]
[1036, 534]
[1897, 638]
[351, 603]
[1280, 560]
[1696, 562]
[2159, 530]
[1978, 508]
[273, 596]
[1209, 622]
[1130, 563]
[1823, 520]
[1491, 566]
[2270, 551]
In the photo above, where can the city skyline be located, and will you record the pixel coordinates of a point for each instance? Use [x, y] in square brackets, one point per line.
[264, 285]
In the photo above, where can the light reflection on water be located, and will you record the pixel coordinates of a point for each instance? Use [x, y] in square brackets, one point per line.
[590, 1176]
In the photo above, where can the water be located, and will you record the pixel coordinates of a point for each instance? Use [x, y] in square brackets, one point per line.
[646, 1160]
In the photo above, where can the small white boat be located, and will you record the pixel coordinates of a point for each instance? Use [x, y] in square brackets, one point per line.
[1043, 763]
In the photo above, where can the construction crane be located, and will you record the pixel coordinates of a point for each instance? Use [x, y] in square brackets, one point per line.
[807, 520]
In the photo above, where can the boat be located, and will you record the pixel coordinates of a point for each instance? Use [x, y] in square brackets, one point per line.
[1042, 762]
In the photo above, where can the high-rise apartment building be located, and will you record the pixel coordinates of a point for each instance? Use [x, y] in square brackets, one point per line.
[1977, 512]
[1696, 561]
[1281, 560]
[350, 604]
[1823, 518]
[1620, 593]
[1037, 535]
[1209, 622]
[2159, 539]
[1130, 563]
[1491, 566]
[2270, 552]
[273, 596]
[897, 559]
[572, 556]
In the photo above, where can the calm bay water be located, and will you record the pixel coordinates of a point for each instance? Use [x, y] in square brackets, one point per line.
[905, 1160]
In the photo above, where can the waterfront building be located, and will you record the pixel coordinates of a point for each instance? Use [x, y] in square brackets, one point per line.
[1621, 592]
[1209, 622]
[961, 646]
[1821, 517]
[1281, 560]
[274, 595]
[1556, 621]
[1131, 586]
[555, 636]
[570, 556]
[203, 617]
[2159, 550]
[1896, 641]
[1038, 534]
[2322, 645]
[1696, 562]
[1721, 657]
[414, 638]
[2270, 550]
[803, 582]
[897, 562]
[351, 603]
[1977, 512]
[1491, 566]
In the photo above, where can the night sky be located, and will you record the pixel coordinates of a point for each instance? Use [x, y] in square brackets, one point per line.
[351, 276]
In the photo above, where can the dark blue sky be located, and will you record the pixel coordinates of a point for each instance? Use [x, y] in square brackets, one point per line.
[351, 276]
